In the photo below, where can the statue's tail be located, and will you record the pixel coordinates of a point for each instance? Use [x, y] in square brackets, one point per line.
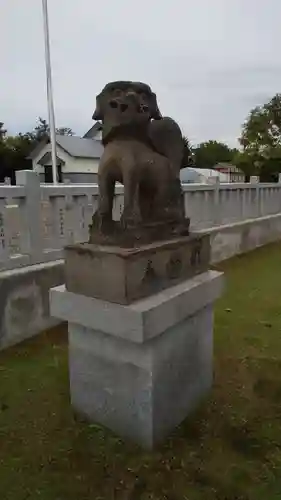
[166, 138]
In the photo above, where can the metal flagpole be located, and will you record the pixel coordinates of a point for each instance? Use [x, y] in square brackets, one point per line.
[50, 92]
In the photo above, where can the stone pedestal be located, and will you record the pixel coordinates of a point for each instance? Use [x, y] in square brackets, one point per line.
[123, 275]
[139, 369]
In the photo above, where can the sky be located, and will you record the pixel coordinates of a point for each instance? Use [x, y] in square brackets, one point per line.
[208, 61]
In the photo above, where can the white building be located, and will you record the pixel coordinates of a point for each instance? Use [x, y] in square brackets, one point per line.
[234, 174]
[201, 175]
[77, 157]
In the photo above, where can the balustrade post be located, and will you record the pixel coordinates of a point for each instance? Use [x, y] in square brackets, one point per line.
[33, 242]
[217, 208]
[254, 179]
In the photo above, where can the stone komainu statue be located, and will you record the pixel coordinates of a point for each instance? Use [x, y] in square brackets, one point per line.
[143, 151]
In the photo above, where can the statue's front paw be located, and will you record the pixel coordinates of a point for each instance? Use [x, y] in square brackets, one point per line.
[130, 221]
[101, 223]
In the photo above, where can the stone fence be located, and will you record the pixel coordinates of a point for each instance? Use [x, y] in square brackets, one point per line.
[37, 221]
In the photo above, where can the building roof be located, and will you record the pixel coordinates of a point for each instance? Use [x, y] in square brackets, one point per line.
[47, 159]
[77, 146]
[228, 167]
[93, 131]
[223, 164]
[74, 146]
[188, 174]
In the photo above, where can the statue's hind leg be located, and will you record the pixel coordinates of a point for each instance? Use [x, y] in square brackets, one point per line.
[102, 219]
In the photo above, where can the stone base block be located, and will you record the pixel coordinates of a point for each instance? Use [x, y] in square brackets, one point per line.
[140, 369]
[123, 275]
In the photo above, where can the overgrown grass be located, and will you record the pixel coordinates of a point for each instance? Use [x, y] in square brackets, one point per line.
[230, 449]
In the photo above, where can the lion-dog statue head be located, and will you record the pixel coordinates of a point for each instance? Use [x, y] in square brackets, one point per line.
[125, 106]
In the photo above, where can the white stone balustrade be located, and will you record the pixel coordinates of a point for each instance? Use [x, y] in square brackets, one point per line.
[37, 221]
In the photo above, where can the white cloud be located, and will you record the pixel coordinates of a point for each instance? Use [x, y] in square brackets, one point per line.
[209, 61]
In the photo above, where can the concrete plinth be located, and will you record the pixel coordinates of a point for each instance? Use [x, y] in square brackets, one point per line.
[139, 369]
[123, 275]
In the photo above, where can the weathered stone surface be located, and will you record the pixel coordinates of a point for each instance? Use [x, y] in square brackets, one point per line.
[242, 237]
[134, 237]
[144, 151]
[144, 319]
[123, 275]
[24, 305]
[140, 369]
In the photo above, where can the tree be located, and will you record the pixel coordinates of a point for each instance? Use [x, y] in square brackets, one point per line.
[245, 163]
[65, 131]
[208, 154]
[42, 130]
[3, 132]
[3, 151]
[14, 150]
[261, 140]
[188, 160]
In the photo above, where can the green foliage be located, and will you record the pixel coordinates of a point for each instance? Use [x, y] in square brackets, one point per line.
[261, 140]
[41, 131]
[228, 449]
[14, 150]
[207, 154]
[245, 163]
[2, 131]
[188, 157]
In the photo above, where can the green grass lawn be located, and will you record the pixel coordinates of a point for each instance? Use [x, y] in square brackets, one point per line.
[230, 449]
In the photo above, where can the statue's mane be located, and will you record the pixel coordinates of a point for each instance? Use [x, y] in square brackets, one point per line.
[124, 85]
